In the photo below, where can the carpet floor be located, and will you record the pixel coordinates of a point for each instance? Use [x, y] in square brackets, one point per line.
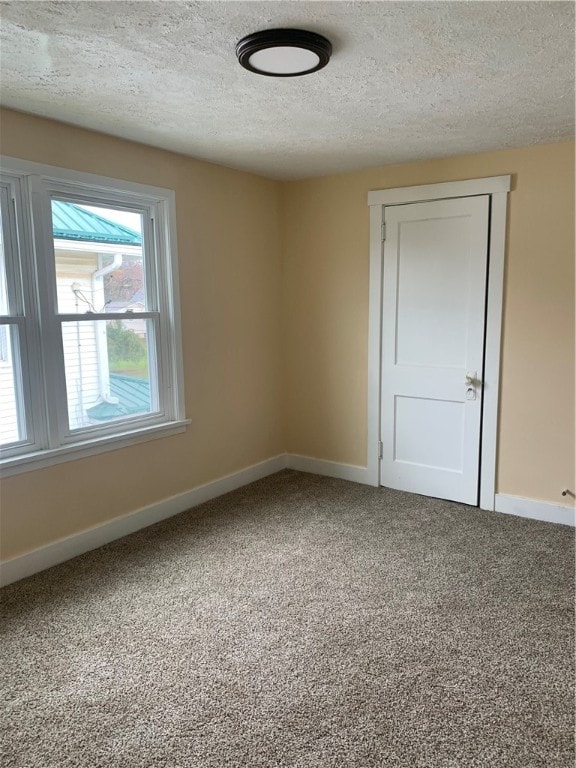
[299, 622]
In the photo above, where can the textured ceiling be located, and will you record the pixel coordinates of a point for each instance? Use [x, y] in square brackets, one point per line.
[407, 81]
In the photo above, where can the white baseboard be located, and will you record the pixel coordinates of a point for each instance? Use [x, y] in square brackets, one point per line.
[327, 468]
[79, 543]
[72, 546]
[537, 510]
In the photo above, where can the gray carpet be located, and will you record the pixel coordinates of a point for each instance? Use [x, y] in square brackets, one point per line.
[299, 622]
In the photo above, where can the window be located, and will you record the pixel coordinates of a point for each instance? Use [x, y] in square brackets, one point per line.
[90, 355]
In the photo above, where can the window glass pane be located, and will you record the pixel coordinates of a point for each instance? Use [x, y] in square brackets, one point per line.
[12, 428]
[107, 365]
[3, 289]
[99, 259]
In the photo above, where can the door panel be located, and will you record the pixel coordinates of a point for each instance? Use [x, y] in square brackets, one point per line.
[442, 311]
[435, 260]
[418, 421]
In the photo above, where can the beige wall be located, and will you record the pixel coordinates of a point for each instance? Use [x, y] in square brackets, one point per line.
[325, 286]
[274, 294]
[229, 262]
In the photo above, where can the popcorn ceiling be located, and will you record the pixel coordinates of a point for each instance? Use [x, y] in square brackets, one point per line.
[407, 81]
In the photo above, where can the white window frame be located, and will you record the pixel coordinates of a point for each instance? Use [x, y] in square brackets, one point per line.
[50, 441]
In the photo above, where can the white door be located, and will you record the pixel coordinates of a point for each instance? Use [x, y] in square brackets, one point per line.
[434, 296]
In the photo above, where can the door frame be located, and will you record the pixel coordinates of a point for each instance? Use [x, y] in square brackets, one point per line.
[497, 187]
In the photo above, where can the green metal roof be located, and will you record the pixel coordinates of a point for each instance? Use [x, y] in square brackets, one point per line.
[133, 396]
[70, 222]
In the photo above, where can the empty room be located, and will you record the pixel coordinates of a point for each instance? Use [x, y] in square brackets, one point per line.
[287, 418]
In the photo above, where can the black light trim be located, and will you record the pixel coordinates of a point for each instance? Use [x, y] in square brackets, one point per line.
[276, 38]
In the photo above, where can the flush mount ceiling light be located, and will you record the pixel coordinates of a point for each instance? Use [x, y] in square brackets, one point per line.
[284, 52]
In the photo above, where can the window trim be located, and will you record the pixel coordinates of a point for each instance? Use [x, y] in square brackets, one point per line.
[35, 185]
[16, 465]
[20, 277]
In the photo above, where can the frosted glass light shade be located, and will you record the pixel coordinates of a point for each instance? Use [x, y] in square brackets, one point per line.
[284, 60]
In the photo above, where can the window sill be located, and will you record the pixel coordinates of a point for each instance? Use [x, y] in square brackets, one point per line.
[16, 465]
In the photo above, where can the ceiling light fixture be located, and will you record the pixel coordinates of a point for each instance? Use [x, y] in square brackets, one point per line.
[284, 52]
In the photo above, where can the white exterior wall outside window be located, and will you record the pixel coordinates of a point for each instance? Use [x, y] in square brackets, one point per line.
[79, 342]
[90, 352]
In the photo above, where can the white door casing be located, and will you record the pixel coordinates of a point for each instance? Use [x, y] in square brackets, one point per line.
[434, 290]
[497, 188]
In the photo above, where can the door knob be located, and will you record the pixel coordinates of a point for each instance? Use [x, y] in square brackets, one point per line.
[471, 379]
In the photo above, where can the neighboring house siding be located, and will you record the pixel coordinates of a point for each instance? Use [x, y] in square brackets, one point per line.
[79, 339]
[82, 373]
